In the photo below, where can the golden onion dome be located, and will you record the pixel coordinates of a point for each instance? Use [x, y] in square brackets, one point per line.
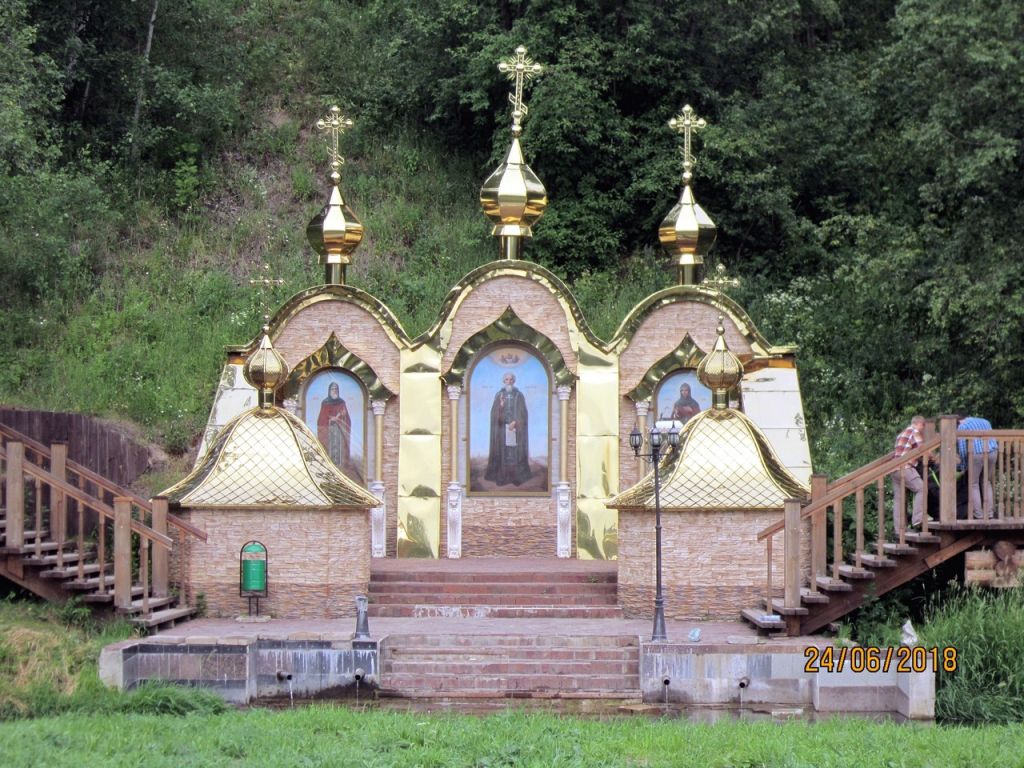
[720, 370]
[265, 370]
[687, 233]
[513, 198]
[335, 232]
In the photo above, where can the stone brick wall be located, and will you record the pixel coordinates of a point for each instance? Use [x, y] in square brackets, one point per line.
[358, 330]
[318, 561]
[712, 564]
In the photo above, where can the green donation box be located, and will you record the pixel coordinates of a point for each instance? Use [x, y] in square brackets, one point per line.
[252, 579]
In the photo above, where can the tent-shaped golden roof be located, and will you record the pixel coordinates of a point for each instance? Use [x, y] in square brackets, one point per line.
[266, 457]
[723, 460]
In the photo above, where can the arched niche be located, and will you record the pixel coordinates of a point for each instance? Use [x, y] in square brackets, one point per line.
[334, 354]
[509, 399]
[335, 406]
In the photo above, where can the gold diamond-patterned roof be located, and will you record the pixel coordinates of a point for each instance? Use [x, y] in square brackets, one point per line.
[268, 458]
[723, 462]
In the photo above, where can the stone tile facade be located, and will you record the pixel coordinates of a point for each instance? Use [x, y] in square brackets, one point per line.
[713, 566]
[318, 561]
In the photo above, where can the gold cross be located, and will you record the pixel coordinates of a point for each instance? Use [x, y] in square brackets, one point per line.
[721, 280]
[685, 123]
[521, 69]
[336, 125]
[264, 285]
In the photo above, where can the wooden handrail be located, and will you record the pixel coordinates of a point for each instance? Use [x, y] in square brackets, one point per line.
[107, 485]
[839, 491]
[93, 503]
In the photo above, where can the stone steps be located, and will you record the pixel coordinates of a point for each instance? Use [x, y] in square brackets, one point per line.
[510, 666]
[483, 598]
[427, 610]
[493, 587]
[563, 575]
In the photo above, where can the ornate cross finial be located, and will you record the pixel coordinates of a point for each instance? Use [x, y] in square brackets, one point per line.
[721, 280]
[264, 283]
[685, 123]
[520, 69]
[336, 125]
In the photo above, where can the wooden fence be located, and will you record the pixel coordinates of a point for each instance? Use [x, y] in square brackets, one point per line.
[93, 443]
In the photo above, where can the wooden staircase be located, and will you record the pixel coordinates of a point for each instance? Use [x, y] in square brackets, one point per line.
[66, 531]
[824, 581]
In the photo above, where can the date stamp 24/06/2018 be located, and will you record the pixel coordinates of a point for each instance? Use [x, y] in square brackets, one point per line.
[861, 658]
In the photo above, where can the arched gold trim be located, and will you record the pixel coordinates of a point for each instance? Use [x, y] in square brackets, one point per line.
[334, 354]
[439, 334]
[320, 293]
[686, 355]
[759, 345]
[507, 328]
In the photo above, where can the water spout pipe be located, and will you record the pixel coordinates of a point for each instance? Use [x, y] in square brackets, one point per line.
[282, 675]
[743, 682]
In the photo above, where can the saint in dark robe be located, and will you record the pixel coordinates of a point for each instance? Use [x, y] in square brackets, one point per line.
[334, 427]
[508, 460]
[685, 407]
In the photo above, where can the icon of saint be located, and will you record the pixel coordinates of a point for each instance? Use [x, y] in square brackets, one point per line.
[508, 460]
[685, 407]
[334, 427]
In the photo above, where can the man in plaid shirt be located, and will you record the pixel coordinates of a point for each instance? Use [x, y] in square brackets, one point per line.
[979, 460]
[909, 475]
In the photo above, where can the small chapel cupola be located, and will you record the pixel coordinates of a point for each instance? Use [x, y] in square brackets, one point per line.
[687, 233]
[266, 370]
[513, 198]
[335, 232]
[720, 370]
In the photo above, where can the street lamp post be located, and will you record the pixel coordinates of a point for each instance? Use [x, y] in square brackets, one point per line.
[654, 440]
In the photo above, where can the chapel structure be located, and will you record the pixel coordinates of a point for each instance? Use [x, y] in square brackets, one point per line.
[501, 431]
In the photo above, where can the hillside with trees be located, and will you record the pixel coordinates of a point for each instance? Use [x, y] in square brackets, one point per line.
[863, 163]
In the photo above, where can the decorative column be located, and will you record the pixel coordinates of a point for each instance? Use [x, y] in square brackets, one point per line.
[378, 530]
[642, 408]
[563, 497]
[454, 486]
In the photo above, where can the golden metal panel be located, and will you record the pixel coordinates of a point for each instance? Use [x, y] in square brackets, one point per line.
[597, 451]
[686, 355]
[419, 453]
[597, 531]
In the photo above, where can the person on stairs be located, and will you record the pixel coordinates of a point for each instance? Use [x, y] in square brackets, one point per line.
[979, 463]
[908, 476]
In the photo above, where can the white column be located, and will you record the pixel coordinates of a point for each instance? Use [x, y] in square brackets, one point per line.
[378, 529]
[454, 487]
[563, 494]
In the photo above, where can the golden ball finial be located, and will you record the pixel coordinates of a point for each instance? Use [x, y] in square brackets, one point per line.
[720, 370]
[265, 370]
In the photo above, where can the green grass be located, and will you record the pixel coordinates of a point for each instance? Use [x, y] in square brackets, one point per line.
[323, 736]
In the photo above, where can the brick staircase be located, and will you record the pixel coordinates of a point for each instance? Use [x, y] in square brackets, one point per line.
[494, 588]
[465, 666]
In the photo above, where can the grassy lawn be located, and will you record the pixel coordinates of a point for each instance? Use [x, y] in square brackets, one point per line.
[324, 736]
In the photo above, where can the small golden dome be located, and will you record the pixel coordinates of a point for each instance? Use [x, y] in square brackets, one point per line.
[720, 370]
[335, 232]
[687, 233]
[513, 198]
[266, 370]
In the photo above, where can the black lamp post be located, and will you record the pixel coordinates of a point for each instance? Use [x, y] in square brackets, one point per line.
[654, 439]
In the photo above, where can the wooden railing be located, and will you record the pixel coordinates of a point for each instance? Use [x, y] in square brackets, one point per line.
[65, 502]
[865, 498]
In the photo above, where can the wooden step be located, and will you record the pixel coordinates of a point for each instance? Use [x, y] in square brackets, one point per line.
[813, 598]
[50, 560]
[155, 603]
[166, 616]
[852, 572]
[760, 619]
[921, 539]
[833, 585]
[779, 607]
[107, 596]
[875, 561]
[898, 549]
[71, 571]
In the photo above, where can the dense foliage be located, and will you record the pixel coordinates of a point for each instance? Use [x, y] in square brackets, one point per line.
[863, 163]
